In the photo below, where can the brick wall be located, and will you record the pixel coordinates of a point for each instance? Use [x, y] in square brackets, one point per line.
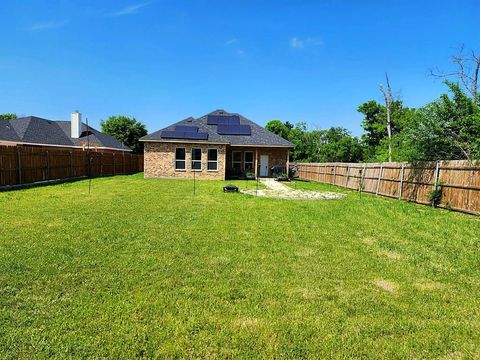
[160, 161]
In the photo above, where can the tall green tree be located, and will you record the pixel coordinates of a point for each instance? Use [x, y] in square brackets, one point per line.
[279, 128]
[8, 116]
[375, 125]
[448, 128]
[125, 129]
[334, 145]
[298, 135]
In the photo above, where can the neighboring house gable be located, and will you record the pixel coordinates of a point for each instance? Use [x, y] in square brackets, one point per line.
[32, 130]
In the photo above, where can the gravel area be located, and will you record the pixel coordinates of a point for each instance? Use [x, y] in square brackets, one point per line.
[278, 190]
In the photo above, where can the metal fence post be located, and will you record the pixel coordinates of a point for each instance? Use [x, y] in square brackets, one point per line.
[334, 174]
[47, 166]
[1, 168]
[400, 191]
[348, 175]
[71, 163]
[437, 173]
[379, 179]
[435, 181]
[362, 178]
[19, 168]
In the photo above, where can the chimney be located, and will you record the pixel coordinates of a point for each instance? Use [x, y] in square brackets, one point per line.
[75, 124]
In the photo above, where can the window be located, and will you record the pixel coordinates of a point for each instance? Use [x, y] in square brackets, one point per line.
[248, 160]
[212, 159]
[196, 159]
[237, 160]
[180, 159]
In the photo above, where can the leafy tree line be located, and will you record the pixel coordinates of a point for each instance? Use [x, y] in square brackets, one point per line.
[448, 128]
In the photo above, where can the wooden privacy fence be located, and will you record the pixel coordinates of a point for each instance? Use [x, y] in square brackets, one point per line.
[30, 164]
[459, 181]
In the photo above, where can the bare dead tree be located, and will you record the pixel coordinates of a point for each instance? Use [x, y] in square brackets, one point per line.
[468, 69]
[387, 96]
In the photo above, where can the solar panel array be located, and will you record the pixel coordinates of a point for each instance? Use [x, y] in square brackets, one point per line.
[184, 132]
[223, 120]
[234, 130]
[188, 128]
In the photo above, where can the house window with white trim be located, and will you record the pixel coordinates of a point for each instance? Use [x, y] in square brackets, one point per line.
[196, 159]
[248, 160]
[212, 159]
[180, 159]
[237, 160]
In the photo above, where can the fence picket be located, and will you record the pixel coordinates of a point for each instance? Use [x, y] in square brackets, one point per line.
[459, 178]
[29, 164]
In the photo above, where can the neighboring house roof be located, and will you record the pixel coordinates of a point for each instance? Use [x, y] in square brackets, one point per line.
[259, 135]
[37, 131]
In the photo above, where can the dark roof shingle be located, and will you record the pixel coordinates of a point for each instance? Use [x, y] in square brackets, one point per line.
[35, 130]
[259, 135]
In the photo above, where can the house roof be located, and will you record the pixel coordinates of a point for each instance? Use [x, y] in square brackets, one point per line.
[37, 131]
[259, 135]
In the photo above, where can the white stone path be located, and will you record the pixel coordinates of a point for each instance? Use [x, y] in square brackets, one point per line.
[276, 189]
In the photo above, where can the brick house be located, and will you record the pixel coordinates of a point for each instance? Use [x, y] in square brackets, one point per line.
[219, 145]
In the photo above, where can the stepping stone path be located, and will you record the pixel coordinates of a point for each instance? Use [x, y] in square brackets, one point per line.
[275, 189]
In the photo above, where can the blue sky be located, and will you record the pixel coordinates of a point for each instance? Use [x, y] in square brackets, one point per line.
[162, 61]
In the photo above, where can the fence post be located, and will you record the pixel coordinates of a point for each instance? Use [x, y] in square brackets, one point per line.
[435, 181]
[101, 164]
[362, 178]
[123, 160]
[19, 168]
[334, 174]
[379, 179]
[437, 172]
[400, 191]
[348, 175]
[47, 166]
[1, 168]
[113, 157]
[71, 163]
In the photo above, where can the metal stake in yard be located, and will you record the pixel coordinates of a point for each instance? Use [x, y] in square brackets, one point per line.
[193, 182]
[89, 159]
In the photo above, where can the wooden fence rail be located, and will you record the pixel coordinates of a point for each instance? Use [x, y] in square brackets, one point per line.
[30, 164]
[459, 181]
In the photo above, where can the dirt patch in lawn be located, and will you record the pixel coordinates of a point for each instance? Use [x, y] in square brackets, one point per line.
[386, 285]
[248, 323]
[392, 255]
[428, 285]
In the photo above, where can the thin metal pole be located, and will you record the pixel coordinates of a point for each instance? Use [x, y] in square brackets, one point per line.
[89, 162]
[258, 172]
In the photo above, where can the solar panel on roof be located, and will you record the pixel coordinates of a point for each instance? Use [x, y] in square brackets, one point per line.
[234, 130]
[223, 120]
[189, 128]
[190, 135]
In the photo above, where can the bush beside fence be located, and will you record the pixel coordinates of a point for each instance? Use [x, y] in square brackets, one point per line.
[459, 181]
[21, 165]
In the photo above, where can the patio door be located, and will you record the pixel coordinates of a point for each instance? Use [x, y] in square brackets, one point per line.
[264, 165]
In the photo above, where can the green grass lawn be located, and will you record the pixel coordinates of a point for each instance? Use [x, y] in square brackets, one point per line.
[142, 268]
